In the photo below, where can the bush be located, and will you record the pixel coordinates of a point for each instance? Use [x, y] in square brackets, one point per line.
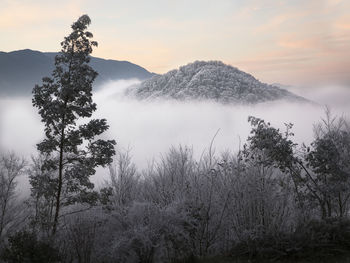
[24, 246]
[316, 239]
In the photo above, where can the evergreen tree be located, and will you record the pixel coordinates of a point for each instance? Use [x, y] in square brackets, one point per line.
[70, 150]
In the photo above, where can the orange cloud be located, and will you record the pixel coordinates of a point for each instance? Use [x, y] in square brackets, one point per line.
[295, 43]
[342, 23]
[277, 21]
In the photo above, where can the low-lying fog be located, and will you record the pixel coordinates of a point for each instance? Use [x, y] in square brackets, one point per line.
[151, 128]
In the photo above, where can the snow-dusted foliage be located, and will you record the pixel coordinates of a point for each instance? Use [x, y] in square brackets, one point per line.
[11, 210]
[193, 208]
[211, 80]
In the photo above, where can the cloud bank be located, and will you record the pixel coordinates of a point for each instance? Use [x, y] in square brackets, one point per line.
[151, 128]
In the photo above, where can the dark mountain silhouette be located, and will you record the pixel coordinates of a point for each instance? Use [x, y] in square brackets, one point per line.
[21, 70]
[211, 80]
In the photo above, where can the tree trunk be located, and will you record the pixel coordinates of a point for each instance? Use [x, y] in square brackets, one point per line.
[60, 177]
[340, 205]
[58, 197]
[323, 210]
[329, 205]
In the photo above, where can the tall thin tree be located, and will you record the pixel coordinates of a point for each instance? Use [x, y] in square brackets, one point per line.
[64, 99]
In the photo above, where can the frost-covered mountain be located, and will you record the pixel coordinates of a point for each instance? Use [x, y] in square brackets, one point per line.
[211, 80]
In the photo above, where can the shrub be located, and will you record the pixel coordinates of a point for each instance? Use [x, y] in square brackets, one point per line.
[24, 246]
[315, 239]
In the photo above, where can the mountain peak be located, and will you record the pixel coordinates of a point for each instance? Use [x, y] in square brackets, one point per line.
[210, 80]
[22, 51]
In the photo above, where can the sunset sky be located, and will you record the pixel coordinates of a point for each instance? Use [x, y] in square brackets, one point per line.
[298, 42]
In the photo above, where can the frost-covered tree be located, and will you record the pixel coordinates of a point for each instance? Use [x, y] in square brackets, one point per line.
[71, 149]
[329, 157]
[11, 167]
[320, 174]
[124, 180]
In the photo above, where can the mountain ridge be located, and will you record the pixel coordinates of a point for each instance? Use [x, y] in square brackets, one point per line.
[20, 70]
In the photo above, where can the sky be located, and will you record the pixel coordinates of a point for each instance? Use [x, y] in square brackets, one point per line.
[294, 42]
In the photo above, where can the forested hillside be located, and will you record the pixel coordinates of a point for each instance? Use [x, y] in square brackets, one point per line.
[212, 81]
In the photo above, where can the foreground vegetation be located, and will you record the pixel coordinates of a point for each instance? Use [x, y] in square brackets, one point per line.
[272, 201]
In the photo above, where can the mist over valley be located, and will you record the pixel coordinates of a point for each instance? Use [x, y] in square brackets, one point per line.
[149, 128]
